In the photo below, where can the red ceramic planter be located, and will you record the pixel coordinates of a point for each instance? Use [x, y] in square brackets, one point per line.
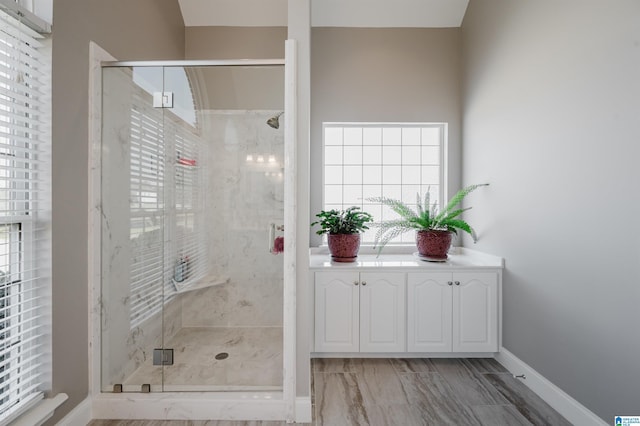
[344, 247]
[433, 244]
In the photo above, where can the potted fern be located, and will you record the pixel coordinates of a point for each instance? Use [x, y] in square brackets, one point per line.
[434, 228]
[343, 228]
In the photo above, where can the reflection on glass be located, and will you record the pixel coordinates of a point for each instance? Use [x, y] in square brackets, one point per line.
[188, 196]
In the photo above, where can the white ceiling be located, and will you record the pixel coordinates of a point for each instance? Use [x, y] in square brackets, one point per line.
[326, 13]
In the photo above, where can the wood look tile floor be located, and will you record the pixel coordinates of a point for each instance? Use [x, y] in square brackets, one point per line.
[407, 392]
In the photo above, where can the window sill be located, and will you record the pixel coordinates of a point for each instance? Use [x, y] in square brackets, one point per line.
[41, 412]
[368, 249]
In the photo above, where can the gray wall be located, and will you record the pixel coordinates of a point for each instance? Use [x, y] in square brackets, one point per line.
[144, 29]
[551, 108]
[384, 74]
[237, 87]
[235, 42]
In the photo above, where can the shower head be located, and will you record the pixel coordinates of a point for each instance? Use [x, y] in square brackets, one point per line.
[274, 121]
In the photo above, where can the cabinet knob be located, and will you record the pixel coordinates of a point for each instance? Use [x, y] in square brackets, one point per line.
[356, 283]
[450, 282]
[457, 282]
[364, 283]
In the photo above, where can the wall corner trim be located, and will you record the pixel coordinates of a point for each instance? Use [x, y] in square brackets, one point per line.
[79, 416]
[562, 402]
[303, 410]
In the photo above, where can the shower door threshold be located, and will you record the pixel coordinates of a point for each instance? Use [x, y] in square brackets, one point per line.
[221, 388]
[190, 406]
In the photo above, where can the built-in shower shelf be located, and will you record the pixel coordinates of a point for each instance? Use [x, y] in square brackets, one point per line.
[204, 282]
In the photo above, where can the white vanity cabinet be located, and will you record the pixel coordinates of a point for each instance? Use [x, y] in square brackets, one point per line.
[398, 304]
[359, 311]
[337, 311]
[452, 312]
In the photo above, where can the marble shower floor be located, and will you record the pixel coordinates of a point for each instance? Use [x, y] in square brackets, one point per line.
[407, 392]
[254, 361]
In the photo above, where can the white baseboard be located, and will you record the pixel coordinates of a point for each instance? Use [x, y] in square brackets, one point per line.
[79, 416]
[570, 409]
[303, 410]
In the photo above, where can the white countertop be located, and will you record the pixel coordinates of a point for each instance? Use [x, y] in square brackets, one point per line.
[464, 259]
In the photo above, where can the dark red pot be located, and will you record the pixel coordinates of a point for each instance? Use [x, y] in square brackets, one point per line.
[433, 244]
[344, 247]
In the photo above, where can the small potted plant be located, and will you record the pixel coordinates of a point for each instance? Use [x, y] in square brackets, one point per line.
[343, 230]
[434, 228]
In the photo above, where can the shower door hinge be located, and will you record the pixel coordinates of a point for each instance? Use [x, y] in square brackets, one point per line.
[163, 99]
[163, 357]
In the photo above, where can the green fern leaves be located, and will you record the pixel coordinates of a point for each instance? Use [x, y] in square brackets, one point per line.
[425, 217]
[349, 221]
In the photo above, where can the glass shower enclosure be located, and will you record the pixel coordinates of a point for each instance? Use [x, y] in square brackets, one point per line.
[192, 220]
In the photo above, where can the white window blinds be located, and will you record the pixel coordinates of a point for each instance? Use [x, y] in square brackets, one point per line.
[147, 209]
[24, 218]
[167, 222]
[189, 231]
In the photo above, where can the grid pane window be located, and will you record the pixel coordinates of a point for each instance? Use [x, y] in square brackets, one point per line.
[382, 159]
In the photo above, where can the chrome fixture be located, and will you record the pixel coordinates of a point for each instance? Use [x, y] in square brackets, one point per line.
[275, 121]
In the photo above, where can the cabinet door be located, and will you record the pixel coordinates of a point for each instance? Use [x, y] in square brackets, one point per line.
[382, 312]
[475, 312]
[336, 312]
[429, 312]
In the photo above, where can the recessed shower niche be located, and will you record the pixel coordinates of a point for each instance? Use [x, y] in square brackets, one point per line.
[192, 215]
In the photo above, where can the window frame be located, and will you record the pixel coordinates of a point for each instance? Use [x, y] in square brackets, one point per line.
[12, 308]
[25, 162]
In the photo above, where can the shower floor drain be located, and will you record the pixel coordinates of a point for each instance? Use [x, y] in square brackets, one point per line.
[222, 355]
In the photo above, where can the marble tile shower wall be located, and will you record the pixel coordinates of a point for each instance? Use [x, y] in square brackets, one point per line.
[244, 194]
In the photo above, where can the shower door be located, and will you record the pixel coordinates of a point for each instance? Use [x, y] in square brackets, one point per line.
[223, 327]
[192, 223]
